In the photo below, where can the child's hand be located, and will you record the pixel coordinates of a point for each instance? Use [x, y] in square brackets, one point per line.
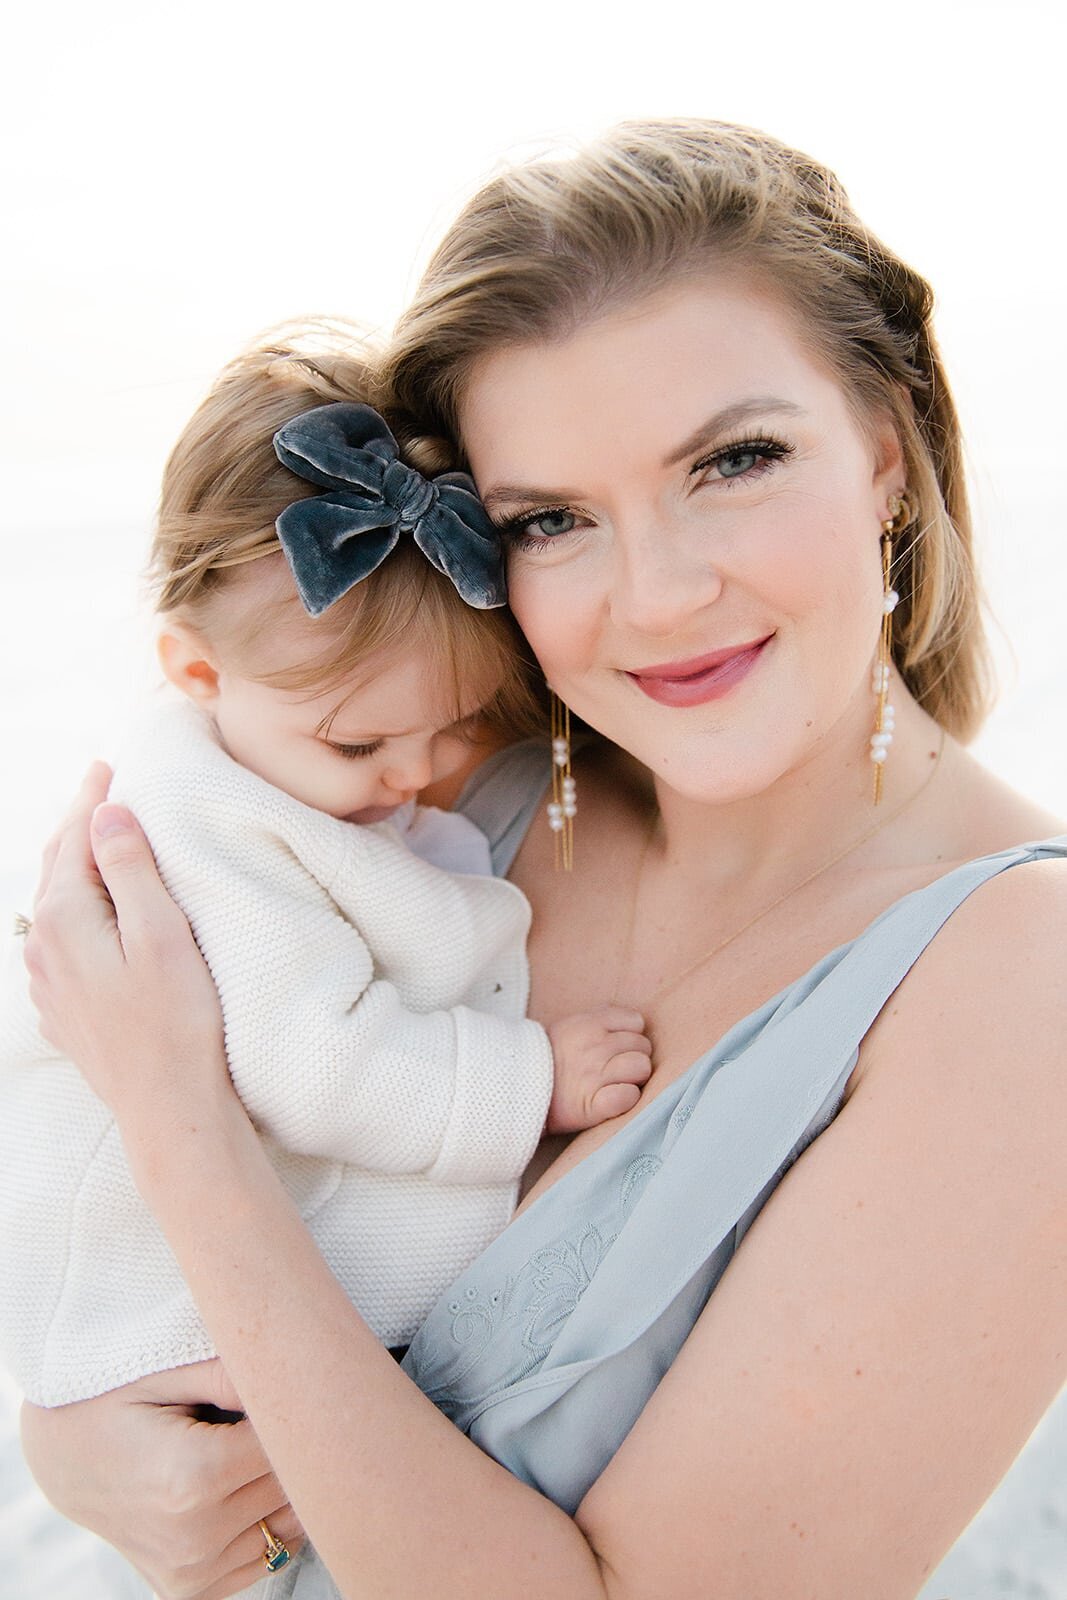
[601, 1059]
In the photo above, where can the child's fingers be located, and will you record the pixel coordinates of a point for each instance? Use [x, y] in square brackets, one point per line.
[629, 1066]
[621, 1042]
[613, 1100]
[619, 1018]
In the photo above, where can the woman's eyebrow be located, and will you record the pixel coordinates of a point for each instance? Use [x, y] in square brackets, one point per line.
[730, 417]
[714, 427]
[525, 494]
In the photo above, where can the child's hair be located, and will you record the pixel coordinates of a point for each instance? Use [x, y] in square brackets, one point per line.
[224, 487]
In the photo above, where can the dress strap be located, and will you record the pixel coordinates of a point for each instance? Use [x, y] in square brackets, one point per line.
[503, 795]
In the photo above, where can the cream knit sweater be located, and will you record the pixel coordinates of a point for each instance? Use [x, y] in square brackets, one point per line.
[374, 1009]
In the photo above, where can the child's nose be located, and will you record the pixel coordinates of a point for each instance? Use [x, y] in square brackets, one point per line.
[411, 771]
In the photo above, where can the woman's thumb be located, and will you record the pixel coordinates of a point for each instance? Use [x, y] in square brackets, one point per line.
[119, 846]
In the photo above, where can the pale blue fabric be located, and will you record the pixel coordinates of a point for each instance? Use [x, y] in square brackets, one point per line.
[546, 1350]
[505, 794]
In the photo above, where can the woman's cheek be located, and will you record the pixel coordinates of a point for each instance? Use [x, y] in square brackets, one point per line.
[555, 615]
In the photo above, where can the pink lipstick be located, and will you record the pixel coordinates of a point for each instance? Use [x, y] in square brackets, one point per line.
[701, 678]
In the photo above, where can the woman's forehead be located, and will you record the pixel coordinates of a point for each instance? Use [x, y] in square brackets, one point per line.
[658, 371]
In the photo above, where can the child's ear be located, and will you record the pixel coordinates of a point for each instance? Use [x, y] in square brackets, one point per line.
[189, 662]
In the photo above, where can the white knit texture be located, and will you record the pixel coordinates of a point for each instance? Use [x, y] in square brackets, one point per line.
[374, 1009]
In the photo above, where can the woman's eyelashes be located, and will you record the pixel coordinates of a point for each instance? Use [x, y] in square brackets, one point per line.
[742, 461]
[532, 529]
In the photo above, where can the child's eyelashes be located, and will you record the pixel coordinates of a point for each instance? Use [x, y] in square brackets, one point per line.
[356, 752]
[466, 728]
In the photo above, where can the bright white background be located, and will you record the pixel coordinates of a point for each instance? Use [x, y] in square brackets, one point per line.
[174, 177]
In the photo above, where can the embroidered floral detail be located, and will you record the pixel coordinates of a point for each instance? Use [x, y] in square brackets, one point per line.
[635, 1178]
[505, 1333]
[560, 1276]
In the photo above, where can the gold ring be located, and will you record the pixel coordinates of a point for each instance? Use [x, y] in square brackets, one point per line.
[276, 1555]
[22, 925]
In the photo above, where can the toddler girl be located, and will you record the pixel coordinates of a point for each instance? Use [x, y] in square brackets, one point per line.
[371, 968]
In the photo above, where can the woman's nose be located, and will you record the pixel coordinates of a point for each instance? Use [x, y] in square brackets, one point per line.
[661, 576]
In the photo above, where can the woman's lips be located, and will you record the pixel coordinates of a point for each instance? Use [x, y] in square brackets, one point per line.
[702, 678]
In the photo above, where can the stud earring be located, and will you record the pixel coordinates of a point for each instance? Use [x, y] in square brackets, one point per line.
[885, 716]
[563, 806]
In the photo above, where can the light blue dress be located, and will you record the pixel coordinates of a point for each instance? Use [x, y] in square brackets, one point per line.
[547, 1348]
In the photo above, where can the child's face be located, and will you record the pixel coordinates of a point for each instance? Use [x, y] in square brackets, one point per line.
[356, 753]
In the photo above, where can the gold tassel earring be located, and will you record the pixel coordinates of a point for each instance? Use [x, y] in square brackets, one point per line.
[563, 806]
[885, 716]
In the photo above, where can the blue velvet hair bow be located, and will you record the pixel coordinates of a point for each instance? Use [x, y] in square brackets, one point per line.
[335, 540]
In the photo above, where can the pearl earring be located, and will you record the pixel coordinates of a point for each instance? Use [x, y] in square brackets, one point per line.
[563, 806]
[885, 716]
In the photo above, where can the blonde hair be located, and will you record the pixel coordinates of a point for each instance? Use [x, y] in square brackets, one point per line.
[223, 488]
[548, 246]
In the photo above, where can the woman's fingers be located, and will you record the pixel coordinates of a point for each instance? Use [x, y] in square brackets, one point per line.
[72, 835]
[243, 1562]
[118, 983]
[180, 1498]
[186, 1561]
[122, 856]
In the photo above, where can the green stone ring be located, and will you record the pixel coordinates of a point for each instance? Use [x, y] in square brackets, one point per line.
[276, 1555]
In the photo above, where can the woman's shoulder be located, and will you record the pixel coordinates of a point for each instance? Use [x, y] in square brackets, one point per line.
[983, 1009]
[1011, 855]
[1003, 948]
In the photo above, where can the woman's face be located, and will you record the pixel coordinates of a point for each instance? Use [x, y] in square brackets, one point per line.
[693, 514]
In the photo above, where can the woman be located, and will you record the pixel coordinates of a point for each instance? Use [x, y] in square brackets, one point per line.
[706, 410]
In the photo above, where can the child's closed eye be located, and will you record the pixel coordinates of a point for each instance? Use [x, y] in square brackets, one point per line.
[354, 752]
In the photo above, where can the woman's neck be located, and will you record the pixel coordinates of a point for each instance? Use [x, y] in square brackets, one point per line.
[807, 814]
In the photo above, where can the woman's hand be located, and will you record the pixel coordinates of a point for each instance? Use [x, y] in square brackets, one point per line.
[179, 1496]
[115, 973]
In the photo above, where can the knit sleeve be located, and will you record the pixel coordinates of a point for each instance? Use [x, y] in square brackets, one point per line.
[336, 1069]
[373, 1004]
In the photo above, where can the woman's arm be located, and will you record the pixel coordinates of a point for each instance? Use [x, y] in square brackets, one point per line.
[891, 1330]
[865, 1371]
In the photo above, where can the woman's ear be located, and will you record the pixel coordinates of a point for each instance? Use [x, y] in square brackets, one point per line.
[189, 662]
[890, 471]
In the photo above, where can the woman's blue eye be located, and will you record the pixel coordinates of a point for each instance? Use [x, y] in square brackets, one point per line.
[549, 523]
[533, 530]
[749, 459]
[736, 462]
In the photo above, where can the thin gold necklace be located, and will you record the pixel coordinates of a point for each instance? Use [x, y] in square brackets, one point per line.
[670, 984]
